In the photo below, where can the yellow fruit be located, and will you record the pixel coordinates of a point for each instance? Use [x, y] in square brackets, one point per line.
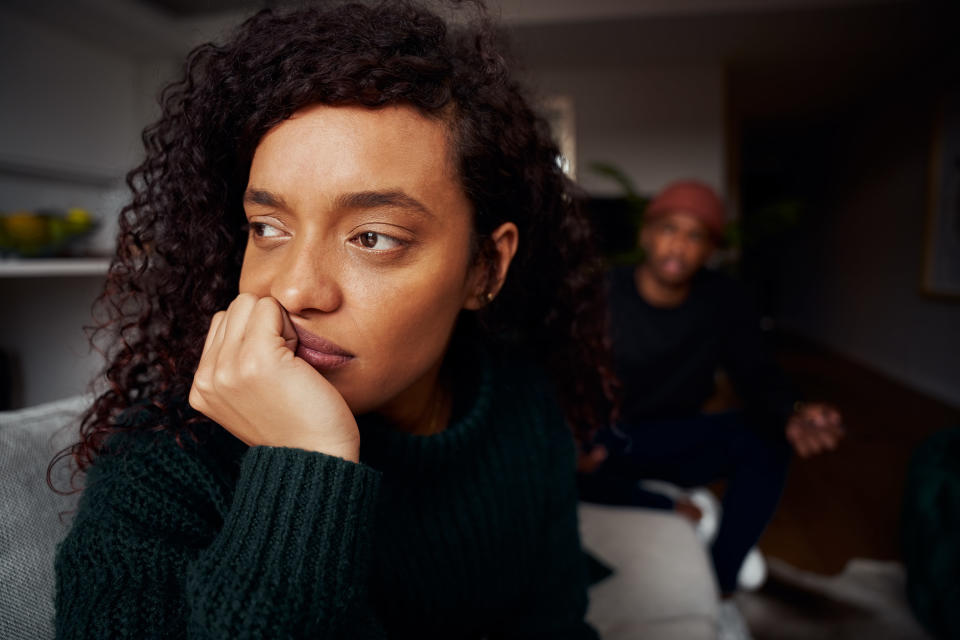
[78, 216]
[26, 230]
[78, 221]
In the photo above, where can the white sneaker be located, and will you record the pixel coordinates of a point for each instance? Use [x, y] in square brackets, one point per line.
[753, 571]
[701, 497]
[711, 511]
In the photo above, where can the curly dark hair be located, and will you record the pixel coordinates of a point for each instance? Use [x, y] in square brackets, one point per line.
[182, 238]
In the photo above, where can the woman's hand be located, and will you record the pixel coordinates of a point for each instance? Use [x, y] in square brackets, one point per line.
[251, 383]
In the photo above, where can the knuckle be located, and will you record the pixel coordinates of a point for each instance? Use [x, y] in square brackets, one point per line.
[244, 301]
[195, 399]
[201, 382]
[216, 319]
[223, 378]
[248, 369]
[264, 303]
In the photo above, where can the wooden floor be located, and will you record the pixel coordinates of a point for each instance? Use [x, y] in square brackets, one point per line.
[846, 504]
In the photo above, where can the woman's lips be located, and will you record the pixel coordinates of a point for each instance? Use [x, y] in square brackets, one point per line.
[320, 353]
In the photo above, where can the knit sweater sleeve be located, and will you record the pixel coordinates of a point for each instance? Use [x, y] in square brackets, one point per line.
[160, 548]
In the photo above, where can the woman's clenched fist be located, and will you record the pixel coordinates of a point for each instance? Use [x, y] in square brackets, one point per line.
[251, 383]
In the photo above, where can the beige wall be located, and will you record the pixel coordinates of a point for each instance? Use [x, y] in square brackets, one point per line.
[657, 124]
[853, 280]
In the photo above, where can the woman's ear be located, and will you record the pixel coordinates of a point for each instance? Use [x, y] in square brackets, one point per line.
[493, 262]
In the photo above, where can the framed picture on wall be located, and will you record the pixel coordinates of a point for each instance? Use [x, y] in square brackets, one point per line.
[941, 269]
[558, 111]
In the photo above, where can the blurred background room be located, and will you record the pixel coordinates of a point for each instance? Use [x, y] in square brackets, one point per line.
[830, 127]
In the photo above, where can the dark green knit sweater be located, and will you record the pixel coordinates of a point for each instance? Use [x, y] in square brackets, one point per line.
[464, 534]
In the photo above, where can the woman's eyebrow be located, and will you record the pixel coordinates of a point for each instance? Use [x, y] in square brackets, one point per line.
[264, 198]
[357, 200]
[375, 199]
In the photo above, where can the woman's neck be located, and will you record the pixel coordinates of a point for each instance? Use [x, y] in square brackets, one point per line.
[423, 409]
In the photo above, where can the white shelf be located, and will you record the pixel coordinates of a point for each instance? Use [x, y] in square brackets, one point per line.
[52, 267]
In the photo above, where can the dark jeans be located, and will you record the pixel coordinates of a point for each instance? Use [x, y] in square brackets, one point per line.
[693, 452]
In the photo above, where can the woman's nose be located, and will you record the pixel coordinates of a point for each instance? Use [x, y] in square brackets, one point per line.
[307, 280]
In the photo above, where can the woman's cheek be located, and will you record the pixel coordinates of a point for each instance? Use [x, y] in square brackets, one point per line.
[402, 339]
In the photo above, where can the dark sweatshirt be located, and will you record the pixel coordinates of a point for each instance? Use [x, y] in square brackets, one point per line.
[666, 358]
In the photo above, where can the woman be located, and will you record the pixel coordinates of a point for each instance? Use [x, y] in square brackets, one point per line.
[349, 289]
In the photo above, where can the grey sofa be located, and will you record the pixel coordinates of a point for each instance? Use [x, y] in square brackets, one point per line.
[662, 587]
[33, 518]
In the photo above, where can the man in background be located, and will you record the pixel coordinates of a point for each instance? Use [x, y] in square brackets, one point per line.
[674, 324]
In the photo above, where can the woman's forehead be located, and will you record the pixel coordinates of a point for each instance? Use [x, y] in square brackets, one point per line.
[396, 136]
[326, 151]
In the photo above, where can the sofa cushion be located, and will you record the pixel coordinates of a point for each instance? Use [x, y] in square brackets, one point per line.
[663, 585]
[35, 518]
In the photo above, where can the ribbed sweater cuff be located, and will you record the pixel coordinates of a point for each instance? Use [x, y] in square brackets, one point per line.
[298, 532]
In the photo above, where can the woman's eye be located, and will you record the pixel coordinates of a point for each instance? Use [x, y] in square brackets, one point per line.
[377, 241]
[264, 230]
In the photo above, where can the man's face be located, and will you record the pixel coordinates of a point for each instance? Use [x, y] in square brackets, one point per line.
[677, 245]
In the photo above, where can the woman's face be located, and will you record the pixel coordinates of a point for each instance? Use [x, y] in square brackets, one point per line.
[360, 230]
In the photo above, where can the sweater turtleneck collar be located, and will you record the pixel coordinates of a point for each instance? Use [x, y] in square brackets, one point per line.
[385, 447]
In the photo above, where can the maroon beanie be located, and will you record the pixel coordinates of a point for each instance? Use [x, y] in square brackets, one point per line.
[693, 198]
